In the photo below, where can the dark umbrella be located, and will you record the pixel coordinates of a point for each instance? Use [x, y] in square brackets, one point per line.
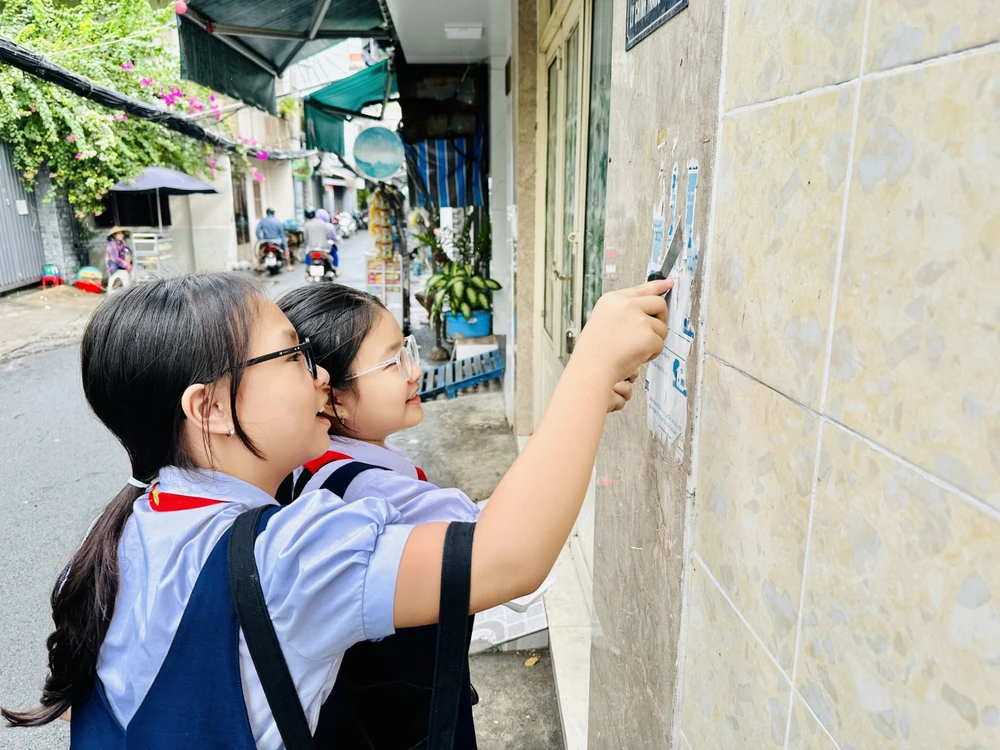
[162, 180]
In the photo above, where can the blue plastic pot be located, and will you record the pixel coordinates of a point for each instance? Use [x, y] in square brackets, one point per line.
[480, 324]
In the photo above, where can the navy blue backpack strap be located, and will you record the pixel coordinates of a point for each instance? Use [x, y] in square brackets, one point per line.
[300, 484]
[341, 478]
[258, 630]
[452, 656]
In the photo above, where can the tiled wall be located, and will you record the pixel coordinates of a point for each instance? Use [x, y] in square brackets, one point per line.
[845, 576]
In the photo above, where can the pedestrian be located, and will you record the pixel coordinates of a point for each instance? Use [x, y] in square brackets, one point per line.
[194, 376]
[374, 378]
[118, 255]
[269, 228]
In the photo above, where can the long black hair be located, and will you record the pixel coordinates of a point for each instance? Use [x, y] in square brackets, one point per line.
[141, 350]
[336, 319]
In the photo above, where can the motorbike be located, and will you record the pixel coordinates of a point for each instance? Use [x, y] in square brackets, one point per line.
[270, 256]
[319, 266]
[361, 220]
[346, 225]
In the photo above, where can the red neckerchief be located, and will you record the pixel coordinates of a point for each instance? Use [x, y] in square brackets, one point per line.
[330, 456]
[165, 502]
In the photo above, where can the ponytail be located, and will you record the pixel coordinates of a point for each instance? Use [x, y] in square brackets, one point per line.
[83, 602]
[142, 348]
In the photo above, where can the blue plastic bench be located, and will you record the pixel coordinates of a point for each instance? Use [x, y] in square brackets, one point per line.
[452, 377]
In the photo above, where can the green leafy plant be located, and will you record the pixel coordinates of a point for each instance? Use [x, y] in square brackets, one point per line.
[459, 287]
[288, 107]
[87, 148]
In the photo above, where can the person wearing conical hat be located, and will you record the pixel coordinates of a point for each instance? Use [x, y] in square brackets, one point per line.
[118, 256]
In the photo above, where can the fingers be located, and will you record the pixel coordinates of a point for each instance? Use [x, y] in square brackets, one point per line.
[649, 289]
[617, 403]
[655, 307]
[623, 389]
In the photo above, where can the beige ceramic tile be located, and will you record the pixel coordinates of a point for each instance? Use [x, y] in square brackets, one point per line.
[804, 732]
[778, 213]
[734, 695]
[901, 631]
[781, 48]
[905, 31]
[917, 333]
[754, 479]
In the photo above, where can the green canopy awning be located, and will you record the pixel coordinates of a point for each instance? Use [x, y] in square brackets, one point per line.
[326, 109]
[238, 47]
[348, 96]
[324, 131]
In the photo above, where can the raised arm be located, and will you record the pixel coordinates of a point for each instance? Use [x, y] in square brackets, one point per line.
[531, 513]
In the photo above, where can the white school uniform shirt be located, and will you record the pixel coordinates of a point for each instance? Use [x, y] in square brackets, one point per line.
[328, 571]
[404, 486]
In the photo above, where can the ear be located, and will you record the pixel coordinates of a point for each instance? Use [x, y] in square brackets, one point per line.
[204, 411]
[343, 404]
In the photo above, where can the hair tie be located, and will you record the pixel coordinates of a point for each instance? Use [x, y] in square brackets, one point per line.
[137, 483]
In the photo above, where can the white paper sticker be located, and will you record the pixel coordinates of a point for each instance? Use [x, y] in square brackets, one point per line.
[666, 378]
[22, 207]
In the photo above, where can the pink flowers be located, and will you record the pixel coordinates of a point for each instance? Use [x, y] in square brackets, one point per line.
[78, 155]
[262, 155]
[70, 138]
[257, 176]
[170, 98]
[126, 66]
[121, 117]
[146, 82]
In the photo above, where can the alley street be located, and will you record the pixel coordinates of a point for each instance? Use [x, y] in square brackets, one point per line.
[59, 466]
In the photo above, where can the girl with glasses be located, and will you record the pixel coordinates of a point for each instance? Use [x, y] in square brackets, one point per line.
[216, 400]
[374, 378]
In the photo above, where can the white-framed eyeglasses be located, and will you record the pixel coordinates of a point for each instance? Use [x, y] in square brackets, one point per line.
[406, 360]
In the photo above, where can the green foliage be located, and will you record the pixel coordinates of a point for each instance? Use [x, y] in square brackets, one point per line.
[123, 44]
[461, 288]
[288, 108]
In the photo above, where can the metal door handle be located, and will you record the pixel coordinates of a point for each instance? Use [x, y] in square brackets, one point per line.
[559, 277]
[570, 341]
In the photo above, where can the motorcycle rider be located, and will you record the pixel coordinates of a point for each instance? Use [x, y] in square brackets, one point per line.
[333, 235]
[318, 236]
[269, 228]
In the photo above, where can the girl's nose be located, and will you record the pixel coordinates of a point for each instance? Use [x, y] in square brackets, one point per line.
[415, 373]
[322, 377]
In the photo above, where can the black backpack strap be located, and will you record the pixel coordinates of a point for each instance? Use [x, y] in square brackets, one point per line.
[453, 635]
[285, 495]
[258, 630]
[341, 478]
[300, 484]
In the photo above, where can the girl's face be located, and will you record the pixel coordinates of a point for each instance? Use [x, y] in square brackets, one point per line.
[383, 402]
[120, 236]
[279, 402]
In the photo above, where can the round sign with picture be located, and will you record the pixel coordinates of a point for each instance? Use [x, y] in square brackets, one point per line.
[378, 153]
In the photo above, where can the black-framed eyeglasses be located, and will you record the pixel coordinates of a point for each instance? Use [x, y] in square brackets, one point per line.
[305, 348]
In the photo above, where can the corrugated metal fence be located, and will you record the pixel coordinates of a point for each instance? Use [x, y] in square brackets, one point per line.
[21, 253]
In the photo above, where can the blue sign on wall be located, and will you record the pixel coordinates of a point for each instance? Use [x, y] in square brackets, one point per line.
[643, 17]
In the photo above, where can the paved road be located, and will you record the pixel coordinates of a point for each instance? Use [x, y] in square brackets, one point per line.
[58, 468]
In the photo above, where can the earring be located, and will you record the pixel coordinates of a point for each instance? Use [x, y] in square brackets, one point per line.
[231, 432]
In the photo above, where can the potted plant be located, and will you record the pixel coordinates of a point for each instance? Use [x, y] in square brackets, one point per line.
[460, 293]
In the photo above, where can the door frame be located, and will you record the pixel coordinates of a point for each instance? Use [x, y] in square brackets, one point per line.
[552, 41]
